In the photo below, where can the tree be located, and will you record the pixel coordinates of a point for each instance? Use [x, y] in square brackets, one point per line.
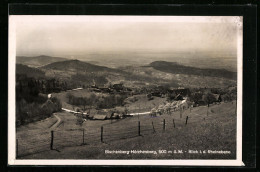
[209, 98]
[196, 97]
[70, 97]
[80, 120]
[57, 103]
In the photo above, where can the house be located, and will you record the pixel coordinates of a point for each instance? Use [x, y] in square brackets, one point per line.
[156, 93]
[107, 113]
[130, 100]
[118, 87]
[96, 90]
[116, 115]
[85, 115]
[182, 91]
[99, 117]
[94, 86]
[90, 116]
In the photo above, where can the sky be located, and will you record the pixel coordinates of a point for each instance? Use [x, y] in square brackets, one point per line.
[79, 35]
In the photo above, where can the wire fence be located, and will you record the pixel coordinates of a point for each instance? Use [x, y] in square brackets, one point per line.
[57, 139]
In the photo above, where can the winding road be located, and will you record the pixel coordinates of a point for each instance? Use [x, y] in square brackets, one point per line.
[132, 114]
[57, 122]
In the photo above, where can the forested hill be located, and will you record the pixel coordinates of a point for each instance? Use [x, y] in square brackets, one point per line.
[175, 68]
[77, 65]
[38, 60]
[29, 71]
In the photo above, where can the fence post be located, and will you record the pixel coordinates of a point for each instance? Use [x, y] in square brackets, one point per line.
[52, 136]
[153, 127]
[83, 135]
[173, 123]
[139, 129]
[16, 148]
[102, 134]
[163, 124]
[187, 120]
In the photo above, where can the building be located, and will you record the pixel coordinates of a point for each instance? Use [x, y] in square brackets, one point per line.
[183, 92]
[118, 87]
[99, 117]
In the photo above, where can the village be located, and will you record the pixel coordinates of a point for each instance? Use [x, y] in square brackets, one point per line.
[173, 99]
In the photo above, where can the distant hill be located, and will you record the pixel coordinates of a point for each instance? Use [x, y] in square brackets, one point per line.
[38, 61]
[76, 65]
[84, 73]
[175, 68]
[29, 71]
[79, 72]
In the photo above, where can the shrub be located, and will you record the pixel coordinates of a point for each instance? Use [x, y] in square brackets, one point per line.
[30, 112]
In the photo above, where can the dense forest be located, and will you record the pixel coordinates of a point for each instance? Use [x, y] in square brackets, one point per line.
[31, 103]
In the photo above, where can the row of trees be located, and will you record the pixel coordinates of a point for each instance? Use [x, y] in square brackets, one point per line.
[33, 86]
[94, 101]
[209, 97]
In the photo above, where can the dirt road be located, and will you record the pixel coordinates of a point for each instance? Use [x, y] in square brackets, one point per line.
[57, 123]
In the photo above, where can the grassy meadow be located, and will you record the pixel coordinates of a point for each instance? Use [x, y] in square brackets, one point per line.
[215, 131]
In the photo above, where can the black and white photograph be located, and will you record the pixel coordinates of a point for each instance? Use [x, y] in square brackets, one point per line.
[132, 90]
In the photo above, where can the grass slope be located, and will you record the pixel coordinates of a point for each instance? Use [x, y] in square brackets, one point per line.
[216, 132]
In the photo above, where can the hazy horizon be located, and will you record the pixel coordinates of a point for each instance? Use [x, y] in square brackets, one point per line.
[130, 38]
[36, 35]
[227, 62]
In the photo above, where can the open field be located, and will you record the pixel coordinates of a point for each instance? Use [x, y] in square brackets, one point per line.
[181, 79]
[34, 137]
[143, 105]
[140, 105]
[39, 125]
[217, 131]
